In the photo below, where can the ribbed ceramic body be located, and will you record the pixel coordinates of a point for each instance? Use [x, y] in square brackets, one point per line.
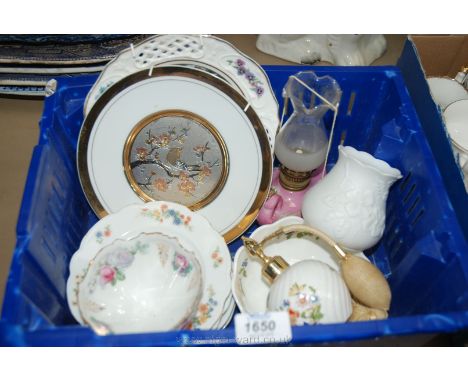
[311, 292]
[349, 203]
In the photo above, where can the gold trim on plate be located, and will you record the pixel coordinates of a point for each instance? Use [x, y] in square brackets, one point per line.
[99, 106]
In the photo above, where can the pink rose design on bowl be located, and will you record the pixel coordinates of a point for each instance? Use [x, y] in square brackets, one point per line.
[181, 261]
[106, 275]
[181, 264]
[120, 258]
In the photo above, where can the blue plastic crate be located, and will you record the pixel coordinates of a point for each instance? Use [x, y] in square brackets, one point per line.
[424, 252]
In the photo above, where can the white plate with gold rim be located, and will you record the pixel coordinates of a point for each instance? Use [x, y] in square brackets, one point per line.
[173, 220]
[230, 64]
[446, 90]
[180, 135]
[456, 120]
[250, 291]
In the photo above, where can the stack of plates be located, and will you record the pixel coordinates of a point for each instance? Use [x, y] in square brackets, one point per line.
[216, 306]
[177, 121]
[185, 119]
[28, 62]
[456, 120]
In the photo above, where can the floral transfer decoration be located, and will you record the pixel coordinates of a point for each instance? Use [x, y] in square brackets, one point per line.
[100, 235]
[242, 70]
[163, 249]
[165, 213]
[205, 310]
[302, 304]
[243, 268]
[111, 269]
[181, 264]
[102, 89]
[78, 279]
[300, 235]
[217, 258]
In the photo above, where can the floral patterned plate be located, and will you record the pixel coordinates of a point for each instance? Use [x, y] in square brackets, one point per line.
[229, 314]
[250, 291]
[145, 284]
[180, 135]
[192, 231]
[209, 51]
[223, 320]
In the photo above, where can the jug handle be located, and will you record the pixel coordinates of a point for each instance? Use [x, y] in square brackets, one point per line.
[269, 210]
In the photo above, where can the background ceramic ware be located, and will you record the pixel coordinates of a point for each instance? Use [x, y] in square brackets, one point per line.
[456, 120]
[337, 49]
[446, 90]
[206, 52]
[192, 231]
[462, 158]
[28, 62]
[184, 136]
[462, 77]
[146, 284]
[349, 203]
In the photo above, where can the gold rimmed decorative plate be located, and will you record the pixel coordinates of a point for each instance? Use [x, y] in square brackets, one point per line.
[181, 135]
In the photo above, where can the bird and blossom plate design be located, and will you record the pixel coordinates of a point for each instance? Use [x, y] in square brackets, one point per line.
[210, 54]
[193, 233]
[176, 156]
[180, 135]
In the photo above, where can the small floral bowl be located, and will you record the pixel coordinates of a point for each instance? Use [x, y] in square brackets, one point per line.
[144, 284]
[249, 289]
[194, 235]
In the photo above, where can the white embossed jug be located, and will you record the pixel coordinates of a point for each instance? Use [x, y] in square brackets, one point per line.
[349, 203]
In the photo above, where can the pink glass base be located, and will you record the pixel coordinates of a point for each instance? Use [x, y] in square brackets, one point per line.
[283, 202]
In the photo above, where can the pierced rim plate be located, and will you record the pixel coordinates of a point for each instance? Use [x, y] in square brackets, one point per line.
[186, 63]
[180, 135]
[249, 290]
[209, 51]
[193, 232]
